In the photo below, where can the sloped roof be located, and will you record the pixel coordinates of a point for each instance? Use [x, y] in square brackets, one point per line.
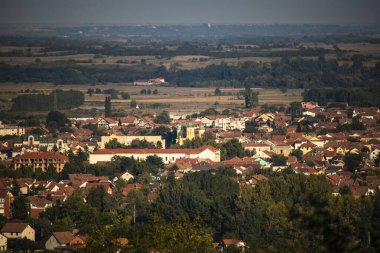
[14, 227]
[63, 237]
[43, 155]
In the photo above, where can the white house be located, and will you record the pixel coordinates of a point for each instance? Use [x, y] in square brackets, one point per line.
[58, 239]
[167, 155]
[3, 243]
[127, 176]
[374, 153]
[13, 230]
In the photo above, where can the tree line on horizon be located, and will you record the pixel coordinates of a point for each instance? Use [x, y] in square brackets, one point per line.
[287, 73]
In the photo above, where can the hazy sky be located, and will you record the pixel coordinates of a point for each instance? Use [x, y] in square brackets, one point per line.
[77, 12]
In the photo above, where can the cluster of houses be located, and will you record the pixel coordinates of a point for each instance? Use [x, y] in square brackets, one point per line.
[307, 143]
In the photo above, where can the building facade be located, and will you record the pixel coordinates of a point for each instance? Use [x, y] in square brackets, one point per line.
[41, 160]
[167, 155]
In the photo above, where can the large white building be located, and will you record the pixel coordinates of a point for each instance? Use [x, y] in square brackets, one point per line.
[167, 155]
[11, 130]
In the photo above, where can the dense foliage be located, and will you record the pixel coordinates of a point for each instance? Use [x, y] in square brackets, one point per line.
[294, 73]
[288, 213]
[352, 96]
[56, 100]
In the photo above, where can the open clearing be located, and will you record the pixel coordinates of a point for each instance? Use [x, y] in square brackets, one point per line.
[181, 62]
[173, 99]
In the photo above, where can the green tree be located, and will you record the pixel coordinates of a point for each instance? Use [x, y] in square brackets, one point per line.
[133, 104]
[231, 149]
[15, 188]
[352, 162]
[155, 161]
[180, 235]
[51, 172]
[56, 119]
[20, 208]
[295, 108]
[107, 107]
[218, 92]
[139, 144]
[102, 240]
[163, 118]
[279, 159]
[251, 98]
[125, 95]
[114, 143]
[297, 153]
[22, 245]
[99, 199]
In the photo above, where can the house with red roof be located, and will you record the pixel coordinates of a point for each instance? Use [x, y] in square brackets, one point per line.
[129, 120]
[88, 186]
[58, 240]
[38, 205]
[18, 230]
[126, 190]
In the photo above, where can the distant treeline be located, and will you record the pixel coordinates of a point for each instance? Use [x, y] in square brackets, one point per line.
[71, 73]
[296, 73]
[162, 50]
[352, 96]
[40, 102]
[204, 33]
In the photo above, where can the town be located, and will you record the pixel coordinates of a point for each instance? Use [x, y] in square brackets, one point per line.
[177, 126]
[48, 168]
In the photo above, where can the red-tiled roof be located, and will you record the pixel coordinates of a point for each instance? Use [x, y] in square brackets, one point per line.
[43, 155]
[292, 159]
[253, 145]
[13, 227]
[63, 237]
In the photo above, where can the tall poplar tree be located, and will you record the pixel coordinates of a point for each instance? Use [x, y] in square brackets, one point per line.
[251, 98]
[107, 107]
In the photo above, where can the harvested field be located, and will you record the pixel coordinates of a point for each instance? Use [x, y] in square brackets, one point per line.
[171, 98]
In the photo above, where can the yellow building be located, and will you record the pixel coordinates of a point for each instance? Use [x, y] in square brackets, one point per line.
[282, 149]
[189, 134]
[40, 160]
[307, 147]
[127, 140]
